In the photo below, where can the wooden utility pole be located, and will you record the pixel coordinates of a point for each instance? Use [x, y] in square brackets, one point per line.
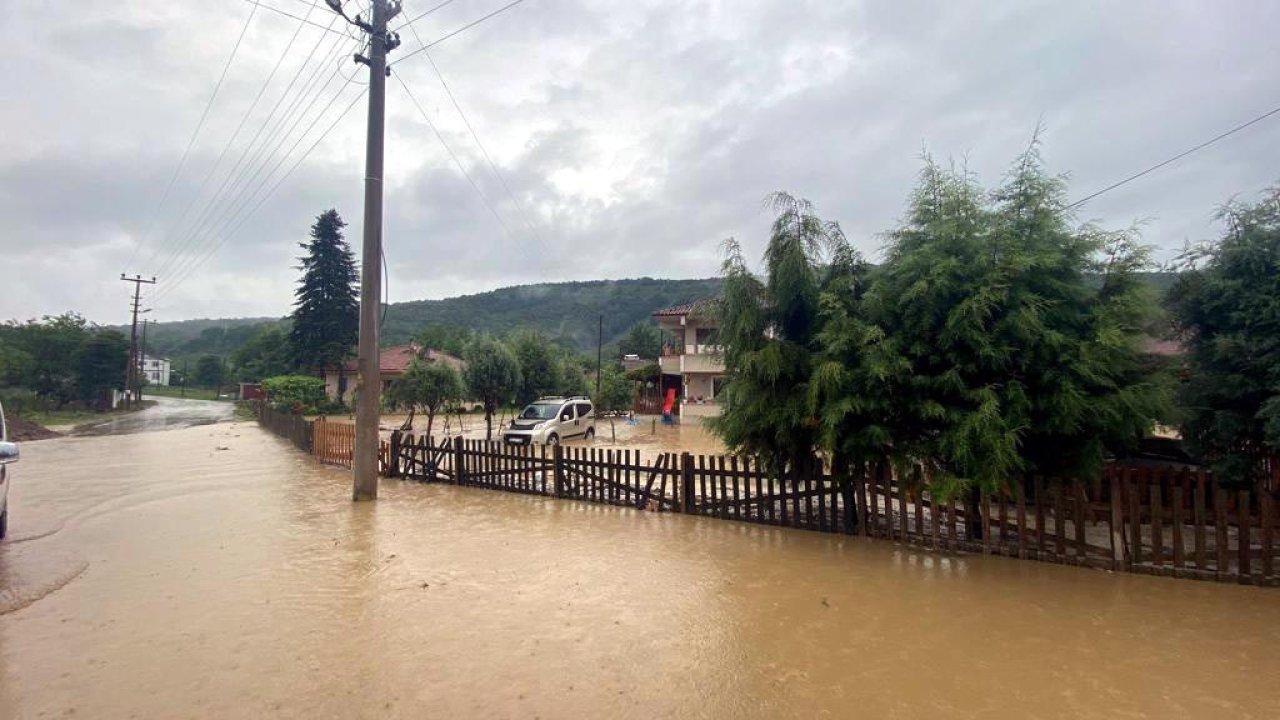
[142, 359]
[131, 372]
[369, 380]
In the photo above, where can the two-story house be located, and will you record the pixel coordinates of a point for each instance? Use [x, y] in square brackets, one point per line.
[154, 370]
[692, 363]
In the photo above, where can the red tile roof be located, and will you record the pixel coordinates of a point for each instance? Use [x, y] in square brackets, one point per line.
[395, 360]
[689, 308]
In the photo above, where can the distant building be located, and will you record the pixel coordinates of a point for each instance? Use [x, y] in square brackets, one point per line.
[154, 370]
[693, 364]
[631, 362]
[393, 361]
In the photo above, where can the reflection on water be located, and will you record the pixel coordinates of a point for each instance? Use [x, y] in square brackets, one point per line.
[180, 579]
[167, 414]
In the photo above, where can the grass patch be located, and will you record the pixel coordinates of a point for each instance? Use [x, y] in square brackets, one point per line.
[78, 416]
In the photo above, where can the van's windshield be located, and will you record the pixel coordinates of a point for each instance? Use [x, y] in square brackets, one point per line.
[540, 411]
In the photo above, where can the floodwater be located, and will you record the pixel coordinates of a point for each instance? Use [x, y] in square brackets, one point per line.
[213, 571]
[167, 414]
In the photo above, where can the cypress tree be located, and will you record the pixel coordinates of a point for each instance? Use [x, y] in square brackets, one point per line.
[326, 314]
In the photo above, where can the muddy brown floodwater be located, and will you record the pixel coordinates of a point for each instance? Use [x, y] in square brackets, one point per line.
[213, 571]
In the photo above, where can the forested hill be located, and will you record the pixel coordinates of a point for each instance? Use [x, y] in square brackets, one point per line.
[566, 312]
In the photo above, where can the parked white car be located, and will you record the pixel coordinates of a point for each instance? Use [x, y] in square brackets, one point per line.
[550, 420]
[8, 454]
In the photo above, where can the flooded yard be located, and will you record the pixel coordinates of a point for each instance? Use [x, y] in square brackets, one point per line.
[214, 571]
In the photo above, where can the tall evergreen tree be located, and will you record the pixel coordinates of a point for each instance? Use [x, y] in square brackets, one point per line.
[768, 330]
[1226, 305]
[991, 350]
[326, 314]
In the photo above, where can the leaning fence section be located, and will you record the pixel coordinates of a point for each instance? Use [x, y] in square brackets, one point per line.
[1155, 519]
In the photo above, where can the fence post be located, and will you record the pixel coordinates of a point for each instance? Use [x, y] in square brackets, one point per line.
[686, 483]
[1118, 559]
[557, 469]
[459, 462]
[393, 459]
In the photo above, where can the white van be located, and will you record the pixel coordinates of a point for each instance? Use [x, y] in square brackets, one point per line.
[550, 420]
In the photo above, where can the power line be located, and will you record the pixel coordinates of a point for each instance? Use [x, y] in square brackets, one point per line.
[215, 199]
[286, 13]
[462, 29]
[245, 118]
[418, 17]
[475, 136]
[224, 205]
[264, 197]
[164, 196]
[1175, 158]
[456, 161]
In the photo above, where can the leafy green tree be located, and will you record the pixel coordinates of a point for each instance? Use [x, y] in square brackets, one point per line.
[571, 379]
[643, 339]
[1226, 306]
[266, 353]
[209, 372]
[43, 355]
[326, 314]
[539, 366]
[617, 395]
[768, 330]
[492, 375]
[102, 361]
[429, 386]
[449, 339]
[297, 394]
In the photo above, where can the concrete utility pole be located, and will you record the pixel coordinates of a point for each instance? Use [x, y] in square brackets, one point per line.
[130, 372]
[368, 379]
[142, 358]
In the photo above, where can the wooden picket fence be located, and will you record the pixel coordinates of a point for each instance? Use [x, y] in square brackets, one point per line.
[1166, 519]
[1155, 519]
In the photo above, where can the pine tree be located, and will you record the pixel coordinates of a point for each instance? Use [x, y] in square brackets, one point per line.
[326, 315]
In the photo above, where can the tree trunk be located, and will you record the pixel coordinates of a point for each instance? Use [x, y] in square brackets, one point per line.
[488, 422]
[431, 419]
[612, 430]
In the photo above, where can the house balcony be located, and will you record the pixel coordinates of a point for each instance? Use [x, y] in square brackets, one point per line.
[692, 363]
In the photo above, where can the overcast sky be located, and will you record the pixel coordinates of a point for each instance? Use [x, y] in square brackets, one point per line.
[633, 136]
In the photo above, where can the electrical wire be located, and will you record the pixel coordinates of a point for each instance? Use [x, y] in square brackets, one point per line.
[262, 200]
[244, 119]
[1175, 158]
[418, 17]
[164, 196]
[462, 29]
[286, 13]
[475, 136]
[225, 200]
[456, 161]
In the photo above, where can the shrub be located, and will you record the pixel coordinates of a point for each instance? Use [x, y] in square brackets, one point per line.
[297, 394]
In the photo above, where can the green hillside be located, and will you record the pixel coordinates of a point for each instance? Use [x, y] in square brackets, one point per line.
[566, 312]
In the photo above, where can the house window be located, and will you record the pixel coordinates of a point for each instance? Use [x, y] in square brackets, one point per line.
[342, 384]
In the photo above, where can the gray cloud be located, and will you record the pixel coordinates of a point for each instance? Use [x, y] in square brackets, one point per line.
[635, 136]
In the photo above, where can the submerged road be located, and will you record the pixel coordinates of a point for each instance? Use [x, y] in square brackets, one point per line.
[167, 414]
[212, 571]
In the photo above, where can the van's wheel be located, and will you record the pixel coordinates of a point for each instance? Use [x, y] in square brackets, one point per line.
[4, 524]
[553, 439]
[591, 433]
